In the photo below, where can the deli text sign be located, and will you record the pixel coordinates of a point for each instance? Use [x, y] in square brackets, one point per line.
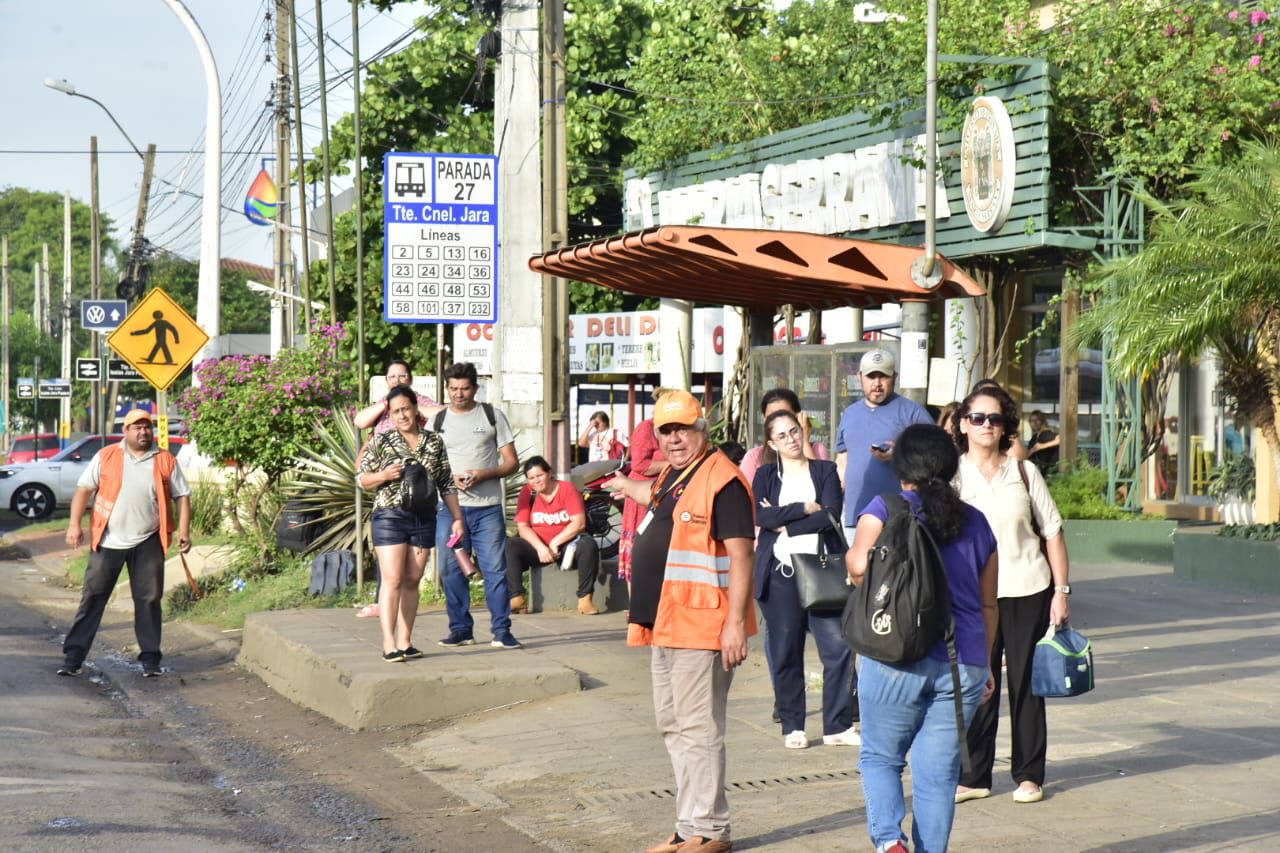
[614, 342]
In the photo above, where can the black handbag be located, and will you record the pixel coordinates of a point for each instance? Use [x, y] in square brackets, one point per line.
[821, 579]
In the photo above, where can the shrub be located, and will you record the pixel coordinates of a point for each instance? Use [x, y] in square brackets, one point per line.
[1082, 493]
[258, 412]
[1256, 532]
[206, 507]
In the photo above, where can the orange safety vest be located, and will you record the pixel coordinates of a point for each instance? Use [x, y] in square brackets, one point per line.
[695, 584]
[110, 479]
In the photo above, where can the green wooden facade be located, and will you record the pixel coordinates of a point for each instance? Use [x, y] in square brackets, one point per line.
[1027, 96]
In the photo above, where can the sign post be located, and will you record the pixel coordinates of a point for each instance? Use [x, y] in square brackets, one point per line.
[441, 234]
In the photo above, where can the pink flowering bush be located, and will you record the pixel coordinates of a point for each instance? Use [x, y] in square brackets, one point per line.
[258, 412]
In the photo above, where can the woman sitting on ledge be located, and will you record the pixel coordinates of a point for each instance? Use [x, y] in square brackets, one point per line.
[550, 518]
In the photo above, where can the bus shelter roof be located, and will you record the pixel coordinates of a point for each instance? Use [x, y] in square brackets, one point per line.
[758, 269]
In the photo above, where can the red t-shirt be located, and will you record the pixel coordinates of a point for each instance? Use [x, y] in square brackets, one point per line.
[548, 518]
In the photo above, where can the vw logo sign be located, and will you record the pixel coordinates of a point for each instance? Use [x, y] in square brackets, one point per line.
[96, 314]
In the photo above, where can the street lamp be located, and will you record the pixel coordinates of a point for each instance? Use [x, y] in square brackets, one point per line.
[67, 88]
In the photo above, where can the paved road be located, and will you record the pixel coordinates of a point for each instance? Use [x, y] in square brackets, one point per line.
[82, 769]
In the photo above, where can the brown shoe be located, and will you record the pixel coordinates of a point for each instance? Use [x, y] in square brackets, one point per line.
[699, 844]
[585, 606]
[671, 845]
[518, 604]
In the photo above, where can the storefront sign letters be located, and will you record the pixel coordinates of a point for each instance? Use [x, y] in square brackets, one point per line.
[874, 186]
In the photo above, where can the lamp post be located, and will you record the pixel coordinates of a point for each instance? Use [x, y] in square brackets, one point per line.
[68, 88]
[207, 300]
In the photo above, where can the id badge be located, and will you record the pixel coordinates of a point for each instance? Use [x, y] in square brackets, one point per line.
[644, 523]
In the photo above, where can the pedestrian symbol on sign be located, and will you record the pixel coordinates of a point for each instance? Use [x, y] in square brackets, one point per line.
[163, 328]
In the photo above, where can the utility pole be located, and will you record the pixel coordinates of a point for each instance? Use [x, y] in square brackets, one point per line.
[331, 261]
[305, 275]
[95, 279]
[283, 242]
[64, 410]
[362, 390]
[36, 279]
[520, 384]
[4, 322]
[555, 233]
[46, 318]
[135, 277]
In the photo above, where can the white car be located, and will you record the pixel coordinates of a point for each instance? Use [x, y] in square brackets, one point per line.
[34, 489]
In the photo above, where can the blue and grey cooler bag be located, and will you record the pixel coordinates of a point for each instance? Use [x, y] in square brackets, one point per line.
[1063, 664]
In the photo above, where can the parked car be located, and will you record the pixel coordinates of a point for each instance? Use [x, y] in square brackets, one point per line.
[24, 448]
[35, 489]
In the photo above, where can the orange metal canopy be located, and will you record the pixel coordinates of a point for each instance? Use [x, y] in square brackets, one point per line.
[755, 268]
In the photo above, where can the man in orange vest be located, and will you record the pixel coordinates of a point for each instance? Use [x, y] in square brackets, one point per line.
[691, 600]
[132, 485]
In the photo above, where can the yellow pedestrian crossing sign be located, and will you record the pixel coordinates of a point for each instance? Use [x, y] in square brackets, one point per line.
[158, 338]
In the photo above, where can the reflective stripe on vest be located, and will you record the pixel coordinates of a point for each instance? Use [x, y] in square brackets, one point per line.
[695, 586]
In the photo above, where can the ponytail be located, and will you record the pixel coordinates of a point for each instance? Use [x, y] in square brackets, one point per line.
[942, 507]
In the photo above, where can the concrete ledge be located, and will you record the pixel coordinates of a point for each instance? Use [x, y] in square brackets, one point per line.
[330, 662]
[1201, 556]
[1147, 541]
[551, 589]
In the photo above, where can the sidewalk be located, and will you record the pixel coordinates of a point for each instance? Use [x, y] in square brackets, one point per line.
[1176, 749]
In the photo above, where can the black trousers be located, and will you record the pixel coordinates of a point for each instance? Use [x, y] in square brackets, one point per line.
[521, 556]
[1023, 621]
[146, 584]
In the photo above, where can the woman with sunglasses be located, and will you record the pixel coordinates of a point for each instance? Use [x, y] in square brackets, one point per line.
[1033, 585]
[798, 500]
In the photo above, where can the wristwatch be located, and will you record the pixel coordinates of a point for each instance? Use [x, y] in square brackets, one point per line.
[1065, 589]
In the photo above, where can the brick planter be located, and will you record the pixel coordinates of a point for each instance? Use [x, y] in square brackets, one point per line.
[1106, 541]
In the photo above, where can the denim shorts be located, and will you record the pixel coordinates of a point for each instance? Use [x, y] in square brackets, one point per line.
[394, 526]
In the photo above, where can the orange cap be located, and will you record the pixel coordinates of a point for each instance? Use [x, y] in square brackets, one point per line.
[676, 407]
[136, 415]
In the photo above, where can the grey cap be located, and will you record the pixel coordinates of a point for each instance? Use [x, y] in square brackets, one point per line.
[876, 361]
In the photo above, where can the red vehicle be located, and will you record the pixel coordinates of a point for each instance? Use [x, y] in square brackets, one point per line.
[24, 447]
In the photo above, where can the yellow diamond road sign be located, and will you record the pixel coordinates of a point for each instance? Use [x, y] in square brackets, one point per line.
[158, 338]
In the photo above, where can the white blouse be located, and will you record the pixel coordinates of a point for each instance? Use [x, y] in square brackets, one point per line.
[797, 488]
[1008, 506]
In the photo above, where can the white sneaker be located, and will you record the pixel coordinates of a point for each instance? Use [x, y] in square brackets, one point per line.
[845, 738]
[1027, 795]
[796, 740]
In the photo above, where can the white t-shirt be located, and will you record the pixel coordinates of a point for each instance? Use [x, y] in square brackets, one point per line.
[797, 488]
[1008, 506]
[136, 514]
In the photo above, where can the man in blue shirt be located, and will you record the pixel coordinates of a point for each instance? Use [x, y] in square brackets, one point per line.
[868, 429]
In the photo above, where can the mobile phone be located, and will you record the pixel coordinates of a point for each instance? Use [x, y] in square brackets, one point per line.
[453, 541]
[881, 448]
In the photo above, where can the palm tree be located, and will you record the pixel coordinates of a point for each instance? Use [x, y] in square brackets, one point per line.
[1209, 276]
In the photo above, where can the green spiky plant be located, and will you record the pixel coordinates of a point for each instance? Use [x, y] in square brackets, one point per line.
[324, 482]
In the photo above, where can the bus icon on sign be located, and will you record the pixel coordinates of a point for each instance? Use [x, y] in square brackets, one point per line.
[410, 179]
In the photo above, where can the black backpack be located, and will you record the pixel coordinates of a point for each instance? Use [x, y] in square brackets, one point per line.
[418, 492]
[902, 608]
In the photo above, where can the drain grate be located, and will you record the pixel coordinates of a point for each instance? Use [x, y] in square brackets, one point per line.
[604, 798]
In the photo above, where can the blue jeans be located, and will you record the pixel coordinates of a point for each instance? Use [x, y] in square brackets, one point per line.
[912, 709]
[486, 538]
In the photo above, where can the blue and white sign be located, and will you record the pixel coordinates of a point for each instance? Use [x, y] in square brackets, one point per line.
[441, 238]
[102, 315]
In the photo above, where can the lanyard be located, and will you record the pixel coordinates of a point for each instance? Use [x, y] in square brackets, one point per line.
[660, 494]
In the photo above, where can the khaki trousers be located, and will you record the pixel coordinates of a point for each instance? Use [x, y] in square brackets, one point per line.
[690, 696]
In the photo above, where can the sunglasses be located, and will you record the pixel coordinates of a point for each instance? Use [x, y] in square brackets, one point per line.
[980, 418]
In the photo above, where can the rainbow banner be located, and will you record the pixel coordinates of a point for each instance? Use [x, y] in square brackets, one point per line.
[260, 201]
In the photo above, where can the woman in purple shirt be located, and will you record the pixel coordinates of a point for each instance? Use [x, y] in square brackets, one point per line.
[911, 708]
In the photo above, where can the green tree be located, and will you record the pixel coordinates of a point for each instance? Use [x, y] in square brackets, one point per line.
[437, 95]
[1209, 276]
[243, 311]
